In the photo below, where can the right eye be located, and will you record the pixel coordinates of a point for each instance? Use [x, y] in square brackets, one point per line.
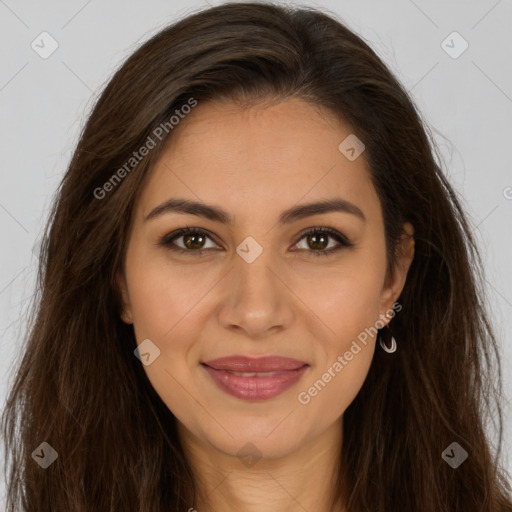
[193, 240]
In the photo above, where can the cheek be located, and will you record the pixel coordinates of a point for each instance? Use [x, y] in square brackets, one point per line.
[165, 304]
[170, 308]
[163, 300]
[346, 301]
[333, 388]
[348, 307]
[343, 361]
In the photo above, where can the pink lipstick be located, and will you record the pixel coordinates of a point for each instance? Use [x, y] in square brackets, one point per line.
[255, 378]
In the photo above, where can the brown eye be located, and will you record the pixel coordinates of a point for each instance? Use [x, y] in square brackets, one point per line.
[193, 241]
[317, 241]
[186, 240]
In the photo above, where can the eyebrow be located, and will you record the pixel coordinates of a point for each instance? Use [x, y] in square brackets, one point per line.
[217, 214]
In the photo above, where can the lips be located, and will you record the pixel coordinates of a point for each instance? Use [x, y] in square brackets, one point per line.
[255, 378]
[260, 364]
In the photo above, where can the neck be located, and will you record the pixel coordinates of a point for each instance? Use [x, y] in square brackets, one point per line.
[304, 479]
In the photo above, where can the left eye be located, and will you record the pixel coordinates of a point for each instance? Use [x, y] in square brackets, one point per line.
[315, 238]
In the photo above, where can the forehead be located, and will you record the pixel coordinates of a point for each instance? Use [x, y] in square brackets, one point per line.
[247, 159]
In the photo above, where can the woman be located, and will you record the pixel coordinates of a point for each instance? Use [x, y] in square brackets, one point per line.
[258, 291]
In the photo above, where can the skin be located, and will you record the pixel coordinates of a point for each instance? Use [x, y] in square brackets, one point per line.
[255, 163]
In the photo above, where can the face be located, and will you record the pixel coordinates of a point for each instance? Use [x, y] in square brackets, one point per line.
[258, 275]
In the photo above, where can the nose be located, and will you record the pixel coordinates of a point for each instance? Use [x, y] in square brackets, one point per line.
[256, 298]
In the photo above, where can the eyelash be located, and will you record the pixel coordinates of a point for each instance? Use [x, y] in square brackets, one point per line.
[167, 240]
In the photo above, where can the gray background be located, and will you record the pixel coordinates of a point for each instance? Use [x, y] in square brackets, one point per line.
[467, 102]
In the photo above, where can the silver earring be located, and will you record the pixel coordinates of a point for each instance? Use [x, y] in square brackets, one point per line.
[391, 349]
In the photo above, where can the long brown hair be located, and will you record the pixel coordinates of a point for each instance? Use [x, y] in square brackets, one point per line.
[79, 386]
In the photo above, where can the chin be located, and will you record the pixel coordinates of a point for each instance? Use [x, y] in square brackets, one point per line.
[269, 437]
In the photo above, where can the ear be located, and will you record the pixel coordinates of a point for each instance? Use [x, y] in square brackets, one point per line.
[126, 312]
[396, 280]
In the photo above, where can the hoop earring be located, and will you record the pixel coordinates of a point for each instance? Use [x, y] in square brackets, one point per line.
[391, 349]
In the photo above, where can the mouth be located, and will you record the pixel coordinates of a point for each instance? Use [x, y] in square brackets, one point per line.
[255, 378]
